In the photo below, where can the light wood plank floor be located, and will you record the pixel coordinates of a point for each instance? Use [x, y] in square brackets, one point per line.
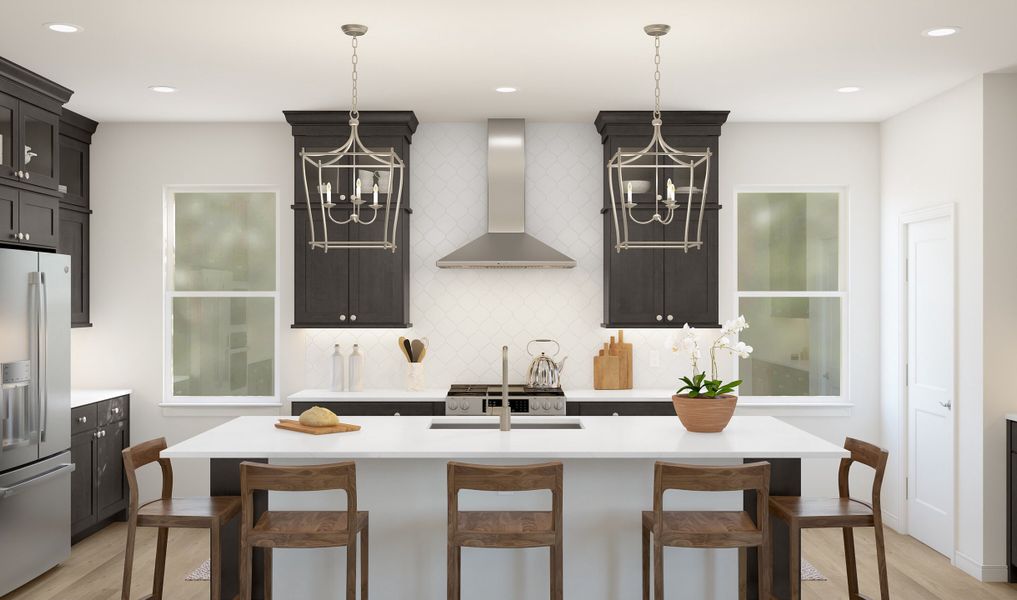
[96, 566]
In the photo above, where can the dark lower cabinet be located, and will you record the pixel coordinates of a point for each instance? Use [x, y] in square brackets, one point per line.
[1011, 501]
[624, 408]
[99, 493]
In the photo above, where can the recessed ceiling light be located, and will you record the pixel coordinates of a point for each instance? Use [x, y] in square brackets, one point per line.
[162, 89]
[936, 32]
[505, 90]
[64, 27]
[849, 89]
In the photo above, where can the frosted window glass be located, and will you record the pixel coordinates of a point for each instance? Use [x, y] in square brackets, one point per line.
[223, 346]
[796, 347]
[788, 242]
[224, 242]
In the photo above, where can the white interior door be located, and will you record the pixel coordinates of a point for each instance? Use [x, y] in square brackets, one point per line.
[930, 379]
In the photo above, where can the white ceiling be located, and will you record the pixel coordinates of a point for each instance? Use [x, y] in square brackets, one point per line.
[765, 60]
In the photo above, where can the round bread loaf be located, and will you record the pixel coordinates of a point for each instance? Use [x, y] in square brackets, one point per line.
[317, 416]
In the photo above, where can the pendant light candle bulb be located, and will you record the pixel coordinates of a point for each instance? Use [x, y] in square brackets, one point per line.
[630, 192]
[328, 192]
[670, 190]
[376, 194]
[358, 189]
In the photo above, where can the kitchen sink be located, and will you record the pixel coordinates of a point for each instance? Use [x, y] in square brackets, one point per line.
[517, 423]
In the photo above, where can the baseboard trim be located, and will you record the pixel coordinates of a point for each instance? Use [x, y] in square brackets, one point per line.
[893, 522]
[985, 573]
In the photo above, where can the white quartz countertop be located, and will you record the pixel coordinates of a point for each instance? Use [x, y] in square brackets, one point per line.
[83, 397]
[600, 437]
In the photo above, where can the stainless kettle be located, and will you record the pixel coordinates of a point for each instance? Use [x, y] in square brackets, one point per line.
[544, 372]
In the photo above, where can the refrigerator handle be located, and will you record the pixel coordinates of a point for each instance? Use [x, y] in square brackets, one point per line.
[38, 281]
[43, 355]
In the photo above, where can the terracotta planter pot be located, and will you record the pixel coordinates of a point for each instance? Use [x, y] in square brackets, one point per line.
[704, 415]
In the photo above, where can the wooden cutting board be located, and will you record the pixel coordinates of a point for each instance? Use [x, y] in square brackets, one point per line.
[292, 425]
[606, 372]
[624, 350]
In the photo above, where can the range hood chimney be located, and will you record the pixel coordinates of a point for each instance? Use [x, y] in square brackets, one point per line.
[506, 245]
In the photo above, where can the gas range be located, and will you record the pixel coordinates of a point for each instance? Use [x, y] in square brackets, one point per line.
[478, 399]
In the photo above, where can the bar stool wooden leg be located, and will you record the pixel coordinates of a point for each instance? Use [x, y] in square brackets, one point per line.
[557, 562]
[884, 584]
[850, 564]
[351, 566]
[267, 552]
[795, 560]
[743, 568]
[363, 562]
[454, 559]
[658, 570]
[214, 563]
[132, 528]
[246, 552]
[764, 560]
[646, 563]
[159, 575]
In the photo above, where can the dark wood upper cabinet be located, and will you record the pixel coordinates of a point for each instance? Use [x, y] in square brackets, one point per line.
[662, 287]
[8, 215]
[75, 213]
[39, 219]
[8, 131]
[349, 287]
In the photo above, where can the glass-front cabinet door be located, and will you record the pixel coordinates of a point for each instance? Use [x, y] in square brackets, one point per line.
[39, 146]
[8, 127]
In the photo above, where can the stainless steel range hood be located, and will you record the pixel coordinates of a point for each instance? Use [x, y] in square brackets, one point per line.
[506, 245]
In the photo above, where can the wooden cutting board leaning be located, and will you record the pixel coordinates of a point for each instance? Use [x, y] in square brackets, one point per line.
[612, 367]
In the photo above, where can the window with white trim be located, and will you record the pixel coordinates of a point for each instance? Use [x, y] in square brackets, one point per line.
[790, 282]
[221, 296]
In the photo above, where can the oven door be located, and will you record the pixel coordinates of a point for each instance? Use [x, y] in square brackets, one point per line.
[35, 520]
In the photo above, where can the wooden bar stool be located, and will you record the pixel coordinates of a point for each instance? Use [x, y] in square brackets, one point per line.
[506, 528]
[805, 513]
[302, 529]
[210, 513]
[707, 528]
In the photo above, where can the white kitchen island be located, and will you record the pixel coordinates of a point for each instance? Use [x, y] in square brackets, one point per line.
[401, 464]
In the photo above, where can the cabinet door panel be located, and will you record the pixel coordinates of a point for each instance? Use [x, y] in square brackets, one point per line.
[633, 285]
[38, 219]
[111, 485]
[690, 278]
[83, 497]
[8, 214]
[378, 278]
[74, 241]
[321, 279]
[370, 409]
[74, 171]
[8, 136]
[39, 148]
[627, 408]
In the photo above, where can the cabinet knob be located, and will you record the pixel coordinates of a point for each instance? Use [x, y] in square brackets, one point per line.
[614, 414]
[670, 317]
[353, 317]
[660, 317]
[82, 419]
[397, 415]
[28, 175]
[21, 236]
[116, 410]
[342, 317]
[28, 236]
[21, 174]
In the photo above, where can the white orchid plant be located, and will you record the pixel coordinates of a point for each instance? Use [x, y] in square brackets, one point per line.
[698, 385]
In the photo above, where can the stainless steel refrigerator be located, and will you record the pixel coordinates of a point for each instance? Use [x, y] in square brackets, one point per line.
[35, 414]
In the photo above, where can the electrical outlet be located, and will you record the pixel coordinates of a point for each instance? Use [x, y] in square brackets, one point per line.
[654, 358]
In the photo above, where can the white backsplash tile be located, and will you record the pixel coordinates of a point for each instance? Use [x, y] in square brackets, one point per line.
[467, 315]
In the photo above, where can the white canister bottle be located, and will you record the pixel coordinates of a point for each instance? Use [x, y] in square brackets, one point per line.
[356, 369]
[338, 366]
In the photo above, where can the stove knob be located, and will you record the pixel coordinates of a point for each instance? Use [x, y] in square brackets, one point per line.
[453, 405]
[547, 405]
[558, 405]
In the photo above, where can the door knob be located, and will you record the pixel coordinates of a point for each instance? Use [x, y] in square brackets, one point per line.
[947, 405]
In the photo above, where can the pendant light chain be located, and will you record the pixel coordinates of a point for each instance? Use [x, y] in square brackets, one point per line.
[354, 113]
[656, 77]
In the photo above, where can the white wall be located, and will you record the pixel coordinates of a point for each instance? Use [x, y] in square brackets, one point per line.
[999, 247]
[466, 314]
[932, 155]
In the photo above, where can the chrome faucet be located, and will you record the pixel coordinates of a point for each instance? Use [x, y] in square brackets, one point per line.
[506, 410]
